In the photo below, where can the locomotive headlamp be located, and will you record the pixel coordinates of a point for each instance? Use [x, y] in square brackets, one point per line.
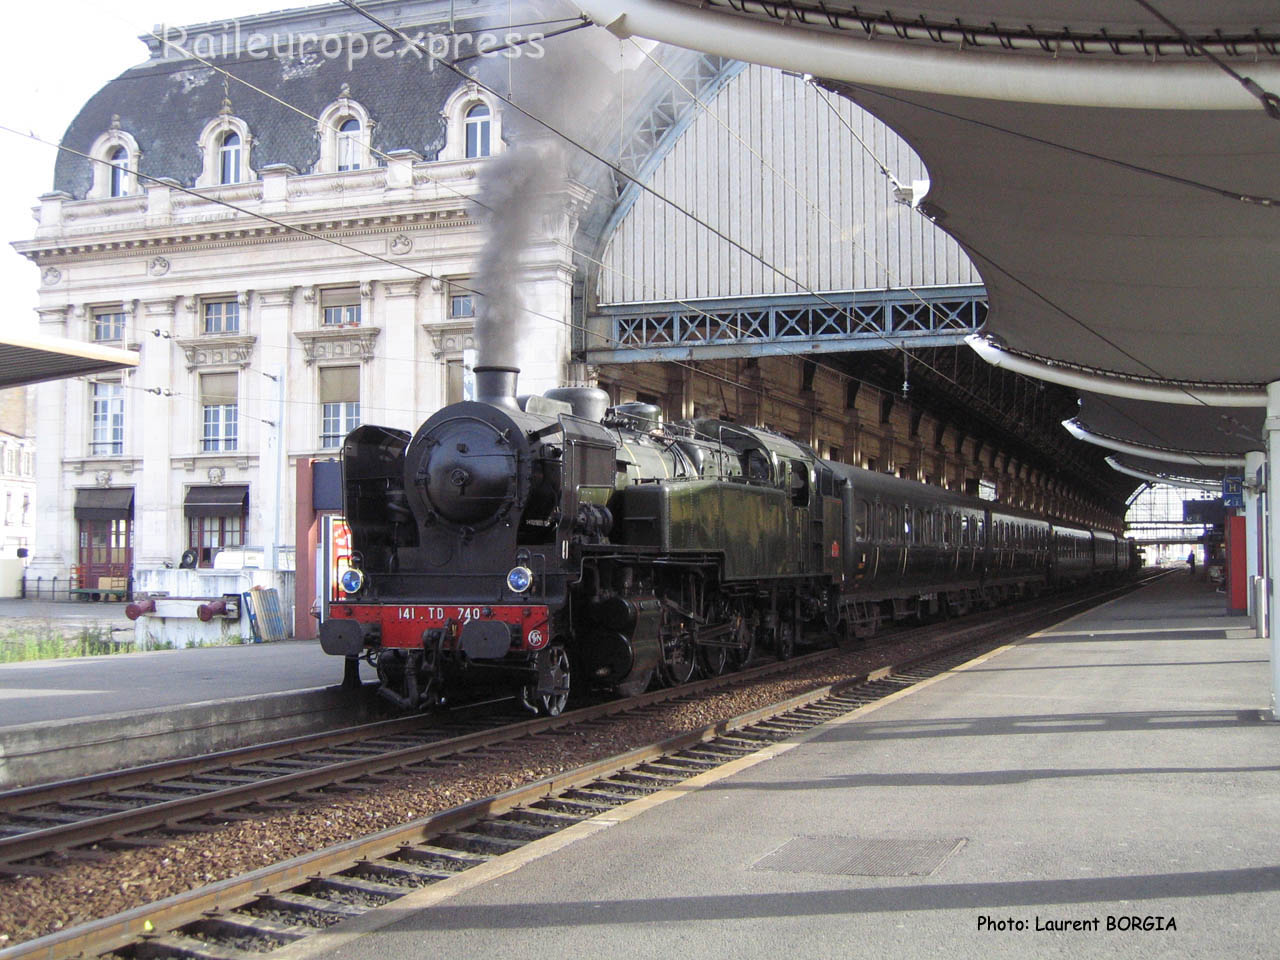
[519, 579]
[351, 580]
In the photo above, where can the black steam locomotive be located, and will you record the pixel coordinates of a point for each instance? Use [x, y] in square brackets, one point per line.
[553, 542]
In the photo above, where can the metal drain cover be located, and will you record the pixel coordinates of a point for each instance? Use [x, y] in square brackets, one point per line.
[861, 856]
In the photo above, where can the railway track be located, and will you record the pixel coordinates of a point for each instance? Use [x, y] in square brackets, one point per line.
[273, 907]
[111, 809]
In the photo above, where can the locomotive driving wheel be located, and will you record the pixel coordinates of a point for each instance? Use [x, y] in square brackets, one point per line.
[679, 652]
[550, 692]
[715, 659]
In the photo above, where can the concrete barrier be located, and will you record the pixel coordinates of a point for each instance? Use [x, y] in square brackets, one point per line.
[42, 752]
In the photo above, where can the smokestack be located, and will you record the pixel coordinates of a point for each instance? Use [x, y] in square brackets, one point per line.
[497, 386]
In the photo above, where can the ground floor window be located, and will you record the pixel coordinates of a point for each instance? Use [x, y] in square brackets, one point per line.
[208, 535]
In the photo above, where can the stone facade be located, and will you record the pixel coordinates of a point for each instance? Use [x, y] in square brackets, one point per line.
[253, 304]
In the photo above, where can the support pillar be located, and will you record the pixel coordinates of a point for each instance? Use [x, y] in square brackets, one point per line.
[1254, 465]
[1273, 531]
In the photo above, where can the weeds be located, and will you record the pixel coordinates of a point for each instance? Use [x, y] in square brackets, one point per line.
[48, 643]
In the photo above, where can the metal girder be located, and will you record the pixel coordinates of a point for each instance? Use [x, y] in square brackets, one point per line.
[794, 324]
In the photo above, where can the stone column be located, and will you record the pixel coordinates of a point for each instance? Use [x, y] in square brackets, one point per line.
[268, 393]
[53, 548]
[402, 389]
[158, 519]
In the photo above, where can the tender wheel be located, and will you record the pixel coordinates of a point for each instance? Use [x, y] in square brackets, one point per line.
[550, 694]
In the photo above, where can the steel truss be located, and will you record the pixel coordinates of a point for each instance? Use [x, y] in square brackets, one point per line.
[790, 324]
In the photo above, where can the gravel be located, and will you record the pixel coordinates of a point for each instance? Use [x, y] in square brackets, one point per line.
[86, 890]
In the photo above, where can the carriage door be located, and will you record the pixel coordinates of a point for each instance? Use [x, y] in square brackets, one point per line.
[800, 487]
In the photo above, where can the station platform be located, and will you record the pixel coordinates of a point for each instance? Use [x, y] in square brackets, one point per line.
[76, 687]
[1120, 765]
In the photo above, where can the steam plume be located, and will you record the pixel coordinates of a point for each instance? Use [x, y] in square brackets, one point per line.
[516, 188]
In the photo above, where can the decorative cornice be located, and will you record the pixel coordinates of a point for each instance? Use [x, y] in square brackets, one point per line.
[191, 238]
[216, 351]
[234, 460]
[451, 337]
[338, 343]
[401, 288]
[107, 465]
[279, 297]
[160, 307]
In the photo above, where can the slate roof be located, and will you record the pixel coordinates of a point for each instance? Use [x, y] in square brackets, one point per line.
[165, 104]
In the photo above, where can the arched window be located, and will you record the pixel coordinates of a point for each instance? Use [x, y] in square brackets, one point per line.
[229, 158]
[476, 129]
[349, 146]
[119, 159]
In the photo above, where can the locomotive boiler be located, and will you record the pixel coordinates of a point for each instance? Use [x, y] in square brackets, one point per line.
[541, 545]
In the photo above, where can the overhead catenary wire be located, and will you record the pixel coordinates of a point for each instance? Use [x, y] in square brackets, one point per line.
[738, 384]
[470, 199]
[424, 274]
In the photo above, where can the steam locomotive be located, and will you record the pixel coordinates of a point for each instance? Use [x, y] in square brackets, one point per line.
[545, 544]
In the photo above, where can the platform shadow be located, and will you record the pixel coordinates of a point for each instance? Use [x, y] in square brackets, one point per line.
[1031, 724]
[976, 778]
[897, 898]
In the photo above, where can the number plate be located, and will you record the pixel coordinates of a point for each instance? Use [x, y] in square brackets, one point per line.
[403, 625]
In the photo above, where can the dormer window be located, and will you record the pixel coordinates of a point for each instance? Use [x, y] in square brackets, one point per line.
[229, 158]
[119, 160]
[473, 125]
[226, 146]
[476, 130]
[349, 145]
[116, 155]
[343, 130]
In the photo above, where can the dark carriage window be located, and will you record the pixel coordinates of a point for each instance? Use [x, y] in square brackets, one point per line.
[861, 515]
[892, 532]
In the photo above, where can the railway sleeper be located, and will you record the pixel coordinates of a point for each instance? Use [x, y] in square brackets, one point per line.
[438, 858]
[541, 818]
[291, 903]
[360, 895]
[638, 776]
[176, 945]
[581, 807]
[385, 869]
[470, 842]
[239, 931]
[52, 817]
[601, 795]
[235, 923]
[505, 829]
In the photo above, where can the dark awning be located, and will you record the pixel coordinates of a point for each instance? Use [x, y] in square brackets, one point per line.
[104, 503]
[228, 500]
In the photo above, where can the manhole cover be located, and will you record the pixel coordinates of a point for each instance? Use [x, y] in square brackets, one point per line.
[861, 856]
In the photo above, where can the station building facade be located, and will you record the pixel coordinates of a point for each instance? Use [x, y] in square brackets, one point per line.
[296, 259]
[259, 345]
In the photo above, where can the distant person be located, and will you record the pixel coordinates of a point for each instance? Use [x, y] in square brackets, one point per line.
[1191, 562]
